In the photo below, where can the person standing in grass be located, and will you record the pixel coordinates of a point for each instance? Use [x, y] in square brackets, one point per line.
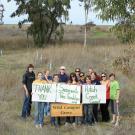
[55, 120]
[87, 108]
[48, 78]
[39, 106]
[73, 81]
[27, 81]
[104, 107]
[114, 98]
[95, 81]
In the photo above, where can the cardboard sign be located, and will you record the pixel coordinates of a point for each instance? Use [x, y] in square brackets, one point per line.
[44, 92]
[62, 110]
[68, 93]
[93, 94]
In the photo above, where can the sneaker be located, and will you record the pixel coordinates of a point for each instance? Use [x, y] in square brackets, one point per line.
[41, 126]
[112, 122]
[74, 125]
[37, 126]
[66, 124]
[116, 124]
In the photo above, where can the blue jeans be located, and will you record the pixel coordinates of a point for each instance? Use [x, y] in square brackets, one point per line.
[39, 112]
[87, 119]
[26, 109]
[47, 109]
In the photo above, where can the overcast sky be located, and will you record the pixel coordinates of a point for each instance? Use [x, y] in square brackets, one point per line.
[76, 14]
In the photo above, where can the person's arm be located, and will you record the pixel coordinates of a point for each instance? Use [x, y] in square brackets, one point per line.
[118, 96]
[26, 90]
[24, 85]
[118, 93]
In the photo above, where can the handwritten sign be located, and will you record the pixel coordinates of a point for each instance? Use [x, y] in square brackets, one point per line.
[63, 110]
[44, 92]
[68, 93]
[93, 94]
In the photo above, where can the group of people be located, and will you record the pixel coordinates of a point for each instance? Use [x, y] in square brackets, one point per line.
[90, 111]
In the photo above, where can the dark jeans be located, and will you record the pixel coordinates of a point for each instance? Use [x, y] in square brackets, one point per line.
[95, 112]
[87, 109]
[105, 111]
[70, 119]
[26, 109]
[55, 121]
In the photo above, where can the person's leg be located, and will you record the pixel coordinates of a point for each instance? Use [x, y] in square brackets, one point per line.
[48, 108]
[89, 114]
[67, 119]
[113, 111]
[52, 120]
[36, 113]
[117, 113]
[107, 115]
[57, 121]
[29, 105]
[85, 110]
[102, 108]
[95, 112]
[45, 110]
[41, 113]
[25, 108]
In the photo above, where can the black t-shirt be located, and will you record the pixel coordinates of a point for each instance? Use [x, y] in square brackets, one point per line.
[95, 82]
[28, 79]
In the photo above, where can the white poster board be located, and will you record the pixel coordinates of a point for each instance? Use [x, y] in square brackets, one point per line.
[44, 92]
[67, 93]
[93, 94]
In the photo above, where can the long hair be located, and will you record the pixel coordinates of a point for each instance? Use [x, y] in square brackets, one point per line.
[73, 75]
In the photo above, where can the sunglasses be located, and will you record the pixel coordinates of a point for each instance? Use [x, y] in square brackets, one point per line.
[77, 71]
[81, 75]
[103, 76]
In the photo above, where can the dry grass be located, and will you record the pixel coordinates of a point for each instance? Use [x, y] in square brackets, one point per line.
[12, 66]
[11, 37]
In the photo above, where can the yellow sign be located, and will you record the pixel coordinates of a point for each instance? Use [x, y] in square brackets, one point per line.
[62, 110]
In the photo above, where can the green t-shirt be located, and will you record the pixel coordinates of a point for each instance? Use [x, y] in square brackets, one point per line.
[114, 87]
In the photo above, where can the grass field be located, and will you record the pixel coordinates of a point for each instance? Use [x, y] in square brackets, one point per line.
[109, 58]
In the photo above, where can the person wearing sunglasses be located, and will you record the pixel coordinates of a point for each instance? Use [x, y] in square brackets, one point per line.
[104, 107]
[77, 72]
[74, 81]
[82, 77]
[63, 77]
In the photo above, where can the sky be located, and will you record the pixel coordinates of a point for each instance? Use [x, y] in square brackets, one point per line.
[76, 14]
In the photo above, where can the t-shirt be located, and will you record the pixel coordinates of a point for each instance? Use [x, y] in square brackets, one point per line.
[39, 81]
[95, 82]
[114, 87]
